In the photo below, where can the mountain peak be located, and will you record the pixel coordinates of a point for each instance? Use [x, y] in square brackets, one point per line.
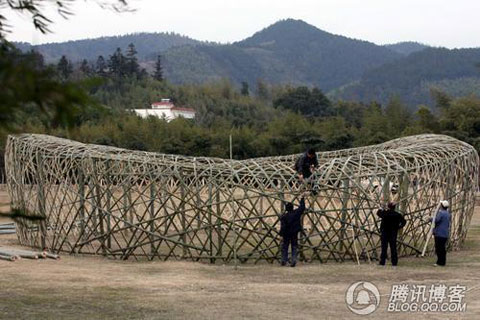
[291, 23]
[407, 47]
[285, 30]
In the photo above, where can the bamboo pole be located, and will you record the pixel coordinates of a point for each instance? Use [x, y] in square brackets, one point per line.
[41, 199]
[182, 216]
[153, 193]
[354, 240]
[345, 198]
[99, 210]
[210, 221]
[81, 196]
[430, 230]
[52, 256]
[218, 223]
[7, 258]
[8, 231]
[108, 212]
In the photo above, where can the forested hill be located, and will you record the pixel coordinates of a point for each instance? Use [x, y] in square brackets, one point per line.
[296, 53]
[455, 72]
[407, 47]
[289, 51]
[148, 46]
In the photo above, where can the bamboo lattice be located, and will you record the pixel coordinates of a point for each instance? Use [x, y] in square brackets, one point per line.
[91, 199]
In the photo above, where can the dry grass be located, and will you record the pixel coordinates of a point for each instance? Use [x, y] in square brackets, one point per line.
[98, 288]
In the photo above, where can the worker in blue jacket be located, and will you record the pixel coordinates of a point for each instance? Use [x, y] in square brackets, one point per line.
[290, 226]
[441, 233]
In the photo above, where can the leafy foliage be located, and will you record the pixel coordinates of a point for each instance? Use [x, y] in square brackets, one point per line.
[36, 9]
[305, 101]
[26, 85]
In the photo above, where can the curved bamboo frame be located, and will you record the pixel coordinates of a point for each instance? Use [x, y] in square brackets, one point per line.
[92, 199]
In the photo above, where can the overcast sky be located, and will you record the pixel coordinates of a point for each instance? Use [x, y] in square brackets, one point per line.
[448, 23]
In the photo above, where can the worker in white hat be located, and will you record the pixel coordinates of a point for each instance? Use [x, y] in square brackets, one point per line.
[441, 232]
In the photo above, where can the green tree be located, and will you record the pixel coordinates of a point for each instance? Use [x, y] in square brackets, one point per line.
[463, 115]
[132, 67]
[117, 64]
[375, 126]
[64, 68]
[305, 101]
[101, 67]
[335, 133]
[426, 119]
[351, 111]
[85, 68]
[442, 100]
[398, 117]
[158, 73]
[262, 90]
[25, 85]
[244, 91]
[292, 133]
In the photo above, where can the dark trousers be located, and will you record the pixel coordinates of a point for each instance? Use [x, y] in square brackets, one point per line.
[389, 239]
[291, 239]
[441, 250]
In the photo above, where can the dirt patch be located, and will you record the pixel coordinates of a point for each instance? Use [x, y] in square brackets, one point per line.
[80, 287]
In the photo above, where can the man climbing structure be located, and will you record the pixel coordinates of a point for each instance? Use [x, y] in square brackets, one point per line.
[305, 167]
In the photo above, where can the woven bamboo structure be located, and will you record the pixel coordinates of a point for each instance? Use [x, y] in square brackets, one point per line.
[91, 199]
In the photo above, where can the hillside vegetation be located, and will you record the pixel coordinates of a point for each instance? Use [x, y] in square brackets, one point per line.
[407, 47]
[147, 44]
[292, 52]
[414, 76]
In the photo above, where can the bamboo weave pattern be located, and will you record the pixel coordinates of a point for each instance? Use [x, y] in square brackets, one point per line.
[91, 199]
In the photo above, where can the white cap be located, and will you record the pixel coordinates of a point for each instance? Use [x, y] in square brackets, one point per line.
[445, 203]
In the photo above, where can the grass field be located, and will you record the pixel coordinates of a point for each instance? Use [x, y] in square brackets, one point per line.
[79, 287]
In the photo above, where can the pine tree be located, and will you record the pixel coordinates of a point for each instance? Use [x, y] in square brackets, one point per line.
[117, 65]
[158, 74]
[64, 68]
[244, 91]
[37, 59]
[85, 68]
[262, 90]
[101, 67]
[131, 63]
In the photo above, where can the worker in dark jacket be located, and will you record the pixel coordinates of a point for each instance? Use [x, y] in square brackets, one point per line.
[441, 233]
[392, 221]
[306, 164]
[290, 226]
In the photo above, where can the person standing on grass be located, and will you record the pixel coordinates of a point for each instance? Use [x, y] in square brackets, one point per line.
[290, 226]
[392, 221]
[441, 232]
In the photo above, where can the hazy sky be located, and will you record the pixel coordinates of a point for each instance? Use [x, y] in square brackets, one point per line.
[449, 23]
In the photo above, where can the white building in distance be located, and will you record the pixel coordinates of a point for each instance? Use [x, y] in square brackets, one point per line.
[166, 109]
